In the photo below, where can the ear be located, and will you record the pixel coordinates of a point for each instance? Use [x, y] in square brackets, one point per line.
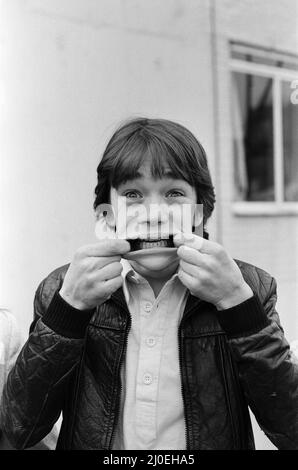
[105, 226]
[106, 211]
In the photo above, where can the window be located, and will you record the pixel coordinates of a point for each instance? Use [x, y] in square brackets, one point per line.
[265, 128]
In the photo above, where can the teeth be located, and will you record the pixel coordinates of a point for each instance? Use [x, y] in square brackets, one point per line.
[157, 236]
[153, 244]
[146, 236]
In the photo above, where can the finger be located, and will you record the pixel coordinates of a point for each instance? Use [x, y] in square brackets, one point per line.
[105, 248]
[192, 256]
[95, 263]
[187, 280]
[196, 242]
[112, 285]
[189, 239]
[109, 271]
[190, 269]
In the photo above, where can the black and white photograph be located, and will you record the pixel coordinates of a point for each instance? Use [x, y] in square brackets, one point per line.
[149, 228]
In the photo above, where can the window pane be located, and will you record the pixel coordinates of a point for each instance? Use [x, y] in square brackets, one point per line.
[253, 137]
[290, 143]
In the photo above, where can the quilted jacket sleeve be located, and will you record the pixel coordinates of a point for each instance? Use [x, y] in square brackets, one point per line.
[268, 369]
[37, 385]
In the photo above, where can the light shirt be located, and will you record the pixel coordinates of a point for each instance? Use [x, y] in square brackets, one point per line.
[151, 412]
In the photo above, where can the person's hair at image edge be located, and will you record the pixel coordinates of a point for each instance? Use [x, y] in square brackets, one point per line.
[166, 144]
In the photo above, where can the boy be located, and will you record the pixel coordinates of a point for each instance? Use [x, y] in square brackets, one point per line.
[144, 348]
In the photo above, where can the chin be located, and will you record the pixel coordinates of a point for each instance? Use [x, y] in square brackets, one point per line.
[157, 264]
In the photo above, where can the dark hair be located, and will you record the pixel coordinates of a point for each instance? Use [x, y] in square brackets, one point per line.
[168, 145]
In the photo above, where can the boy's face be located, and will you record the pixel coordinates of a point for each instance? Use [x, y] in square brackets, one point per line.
[149, 212]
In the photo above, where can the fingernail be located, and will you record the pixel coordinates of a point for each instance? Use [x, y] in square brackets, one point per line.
[188, 237]
[178, 236]
[186, 248]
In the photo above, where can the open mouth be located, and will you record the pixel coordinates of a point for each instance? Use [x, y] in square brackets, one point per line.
[143, 244]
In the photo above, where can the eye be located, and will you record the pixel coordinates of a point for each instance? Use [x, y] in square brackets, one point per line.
[132, 194]
[175, 193]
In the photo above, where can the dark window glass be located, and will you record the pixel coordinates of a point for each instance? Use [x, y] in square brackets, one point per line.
[290, 143]
[253, 137]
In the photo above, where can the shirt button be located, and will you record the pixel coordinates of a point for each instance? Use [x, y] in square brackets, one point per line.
[147, 379]
[148, 307]
[151, 341]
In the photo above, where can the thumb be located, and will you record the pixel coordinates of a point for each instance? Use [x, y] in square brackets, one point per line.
[188, 239]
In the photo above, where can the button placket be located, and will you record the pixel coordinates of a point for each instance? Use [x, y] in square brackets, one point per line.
[153, 321]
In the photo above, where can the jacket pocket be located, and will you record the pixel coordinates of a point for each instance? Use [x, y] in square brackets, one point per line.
[211, 397]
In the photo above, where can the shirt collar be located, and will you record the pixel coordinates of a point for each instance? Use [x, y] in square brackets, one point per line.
[130, 275]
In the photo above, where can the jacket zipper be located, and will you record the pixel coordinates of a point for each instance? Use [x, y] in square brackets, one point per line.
[181, 359]
[75, 400]
[240, 405]
[227, 394]
[119, 387]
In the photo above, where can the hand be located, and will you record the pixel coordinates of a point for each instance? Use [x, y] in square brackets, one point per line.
[208, 271]
[94, 274]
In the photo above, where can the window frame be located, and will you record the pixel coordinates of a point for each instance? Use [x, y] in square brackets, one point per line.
[278, 75]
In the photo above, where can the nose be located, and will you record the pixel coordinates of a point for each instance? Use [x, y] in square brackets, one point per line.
[157, 213]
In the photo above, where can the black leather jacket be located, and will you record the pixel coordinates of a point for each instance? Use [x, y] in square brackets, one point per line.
[228, 360]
